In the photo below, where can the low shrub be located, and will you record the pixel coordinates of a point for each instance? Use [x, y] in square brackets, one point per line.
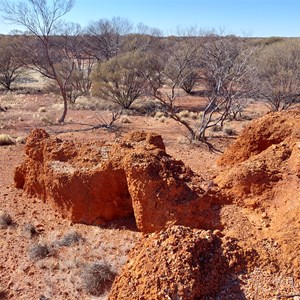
[46, 118]
[125, 120]
[20, 140]
[38, 251]
[97, 278]
[42, 109]
[146, 107]
[184, 114]
[230, 131]
[5, 140]
[5, 220]
[70, 238]
[29, 231]
[159, 115]
[216, 128]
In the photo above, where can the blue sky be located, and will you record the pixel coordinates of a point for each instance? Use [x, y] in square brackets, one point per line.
[240, 17]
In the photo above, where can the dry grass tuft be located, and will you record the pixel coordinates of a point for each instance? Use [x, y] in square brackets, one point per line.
[20, 140]
[42, 109]
[92, 103]
[230, 131]
[183, 140]
[29, 231]
[5, 219]
[46, 118]
[6, 139]
[57, 106]
[188, 116]
[184, 114]
[125, 120]
[216, 128]
[194, 115]
[97, 278]
[160, 116]
[70, 238]
[38, 251]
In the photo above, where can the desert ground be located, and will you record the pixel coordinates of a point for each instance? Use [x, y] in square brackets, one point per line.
[259, 221]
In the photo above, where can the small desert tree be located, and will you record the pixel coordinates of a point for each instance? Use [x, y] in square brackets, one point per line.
[171, 66]
[105, 37]
[181, 64]
[78, 62]
[42, 54]
[11, 67]
[142, 38]
[278, 72]
[119, 79]
[226, 74]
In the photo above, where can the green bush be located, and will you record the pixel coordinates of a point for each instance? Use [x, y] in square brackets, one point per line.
[120, 80]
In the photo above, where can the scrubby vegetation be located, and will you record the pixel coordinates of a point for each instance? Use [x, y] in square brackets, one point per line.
[29, 231]
[70, 238]
[5, 220]
[97, 278]
[38, 251]
[6, 139]
[195, 89]
[122, 63]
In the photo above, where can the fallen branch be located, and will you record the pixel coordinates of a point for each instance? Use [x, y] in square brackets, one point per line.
[103, 124]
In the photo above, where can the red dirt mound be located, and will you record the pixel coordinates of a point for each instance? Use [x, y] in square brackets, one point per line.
[255, 176]
[67, 175]
[271, 129]
[97, 182]
[178, 263]
[264, 180]
[266, 153]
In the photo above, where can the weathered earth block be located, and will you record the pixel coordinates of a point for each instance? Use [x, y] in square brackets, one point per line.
[97, 182]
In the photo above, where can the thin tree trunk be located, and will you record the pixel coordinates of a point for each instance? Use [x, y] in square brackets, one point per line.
[65, 110]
